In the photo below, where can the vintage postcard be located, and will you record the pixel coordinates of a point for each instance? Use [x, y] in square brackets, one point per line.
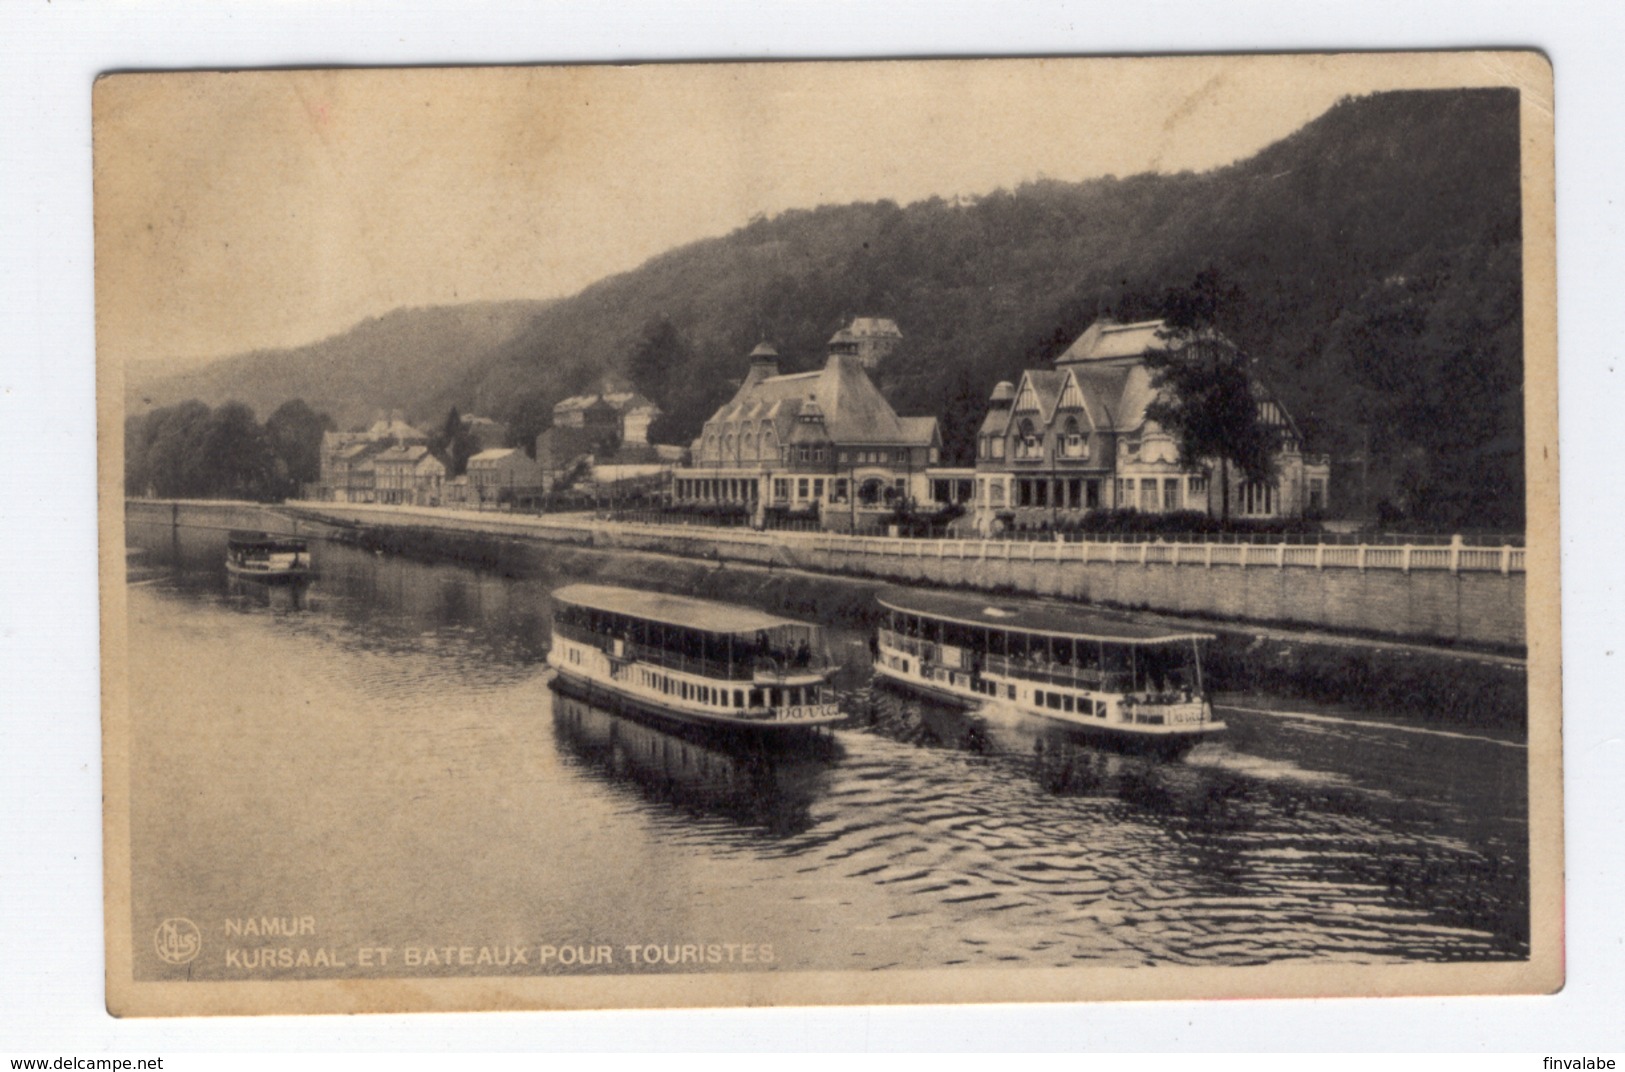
[829, 533]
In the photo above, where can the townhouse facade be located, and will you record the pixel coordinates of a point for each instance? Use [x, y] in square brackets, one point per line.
[505, 475]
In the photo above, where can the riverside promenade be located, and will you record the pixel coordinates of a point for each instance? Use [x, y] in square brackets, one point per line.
[1451, 593]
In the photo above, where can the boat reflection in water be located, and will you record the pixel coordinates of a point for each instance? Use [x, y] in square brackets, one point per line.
[761, 783]
[247, 594]
[1060, 760]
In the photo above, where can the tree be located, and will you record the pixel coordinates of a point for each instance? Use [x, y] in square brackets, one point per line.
[294, 432]
[173, 439]
[234, 457]
[1205, 391]
[527, 417]
[455, 443]
[660, 355]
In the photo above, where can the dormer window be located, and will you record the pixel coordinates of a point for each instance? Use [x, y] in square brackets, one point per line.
[1074, 444]
[1028, 444]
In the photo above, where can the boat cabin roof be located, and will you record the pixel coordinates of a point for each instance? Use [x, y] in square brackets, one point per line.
[699, 615]
[1004, 616]
[264, 541]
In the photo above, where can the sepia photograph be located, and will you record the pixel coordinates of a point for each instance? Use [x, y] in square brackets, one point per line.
[828, 533]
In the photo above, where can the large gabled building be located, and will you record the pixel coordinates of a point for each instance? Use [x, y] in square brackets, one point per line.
[1076, 438]
[824, 443]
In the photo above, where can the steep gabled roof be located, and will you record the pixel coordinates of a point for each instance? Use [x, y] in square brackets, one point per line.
[997, 422]
[1106, 340]
[401, 455]
[920, 431]
[854, 409]
[491, 457]
[1039, 391]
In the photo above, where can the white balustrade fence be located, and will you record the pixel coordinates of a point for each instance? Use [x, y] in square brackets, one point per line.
[1454, 558]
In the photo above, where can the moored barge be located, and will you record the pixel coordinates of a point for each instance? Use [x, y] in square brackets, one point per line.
[261, 556]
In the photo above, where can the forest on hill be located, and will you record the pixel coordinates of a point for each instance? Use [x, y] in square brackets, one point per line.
[390, 362]
[1374, 258]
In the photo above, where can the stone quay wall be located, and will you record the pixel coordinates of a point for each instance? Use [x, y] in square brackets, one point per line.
[1473, 595]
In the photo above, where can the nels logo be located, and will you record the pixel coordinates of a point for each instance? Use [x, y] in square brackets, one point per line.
[178, 940]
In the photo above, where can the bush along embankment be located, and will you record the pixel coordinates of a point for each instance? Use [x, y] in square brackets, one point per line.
[1433, 687]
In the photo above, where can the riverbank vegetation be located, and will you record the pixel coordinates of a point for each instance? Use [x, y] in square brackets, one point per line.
[190, 451]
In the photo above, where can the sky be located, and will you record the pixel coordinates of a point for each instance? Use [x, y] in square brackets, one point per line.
[265, 209]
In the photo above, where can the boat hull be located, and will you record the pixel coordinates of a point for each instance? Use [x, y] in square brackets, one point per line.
[595, 690]
[271, 576]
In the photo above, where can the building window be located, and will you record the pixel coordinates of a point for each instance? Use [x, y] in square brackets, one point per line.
[818, 489]
[801, 488]
[1091, 494]
[749, 444]
[838, 491]
[1074, 443]
[1148, 493]
[998, 448]
[1317, 494]
[996, 491]
[781, 489]
[1257, 499]
[1170, 494]
[933, 456]
[1028, 445]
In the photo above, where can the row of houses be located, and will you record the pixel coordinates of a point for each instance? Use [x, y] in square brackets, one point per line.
[826, 446]
[391, 461]
[1057, 445]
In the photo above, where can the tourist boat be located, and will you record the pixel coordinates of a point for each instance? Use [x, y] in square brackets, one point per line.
[260, 556]
[1130, 683]
[691, 659]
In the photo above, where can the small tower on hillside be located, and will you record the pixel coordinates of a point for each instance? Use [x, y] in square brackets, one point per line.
[871, 339]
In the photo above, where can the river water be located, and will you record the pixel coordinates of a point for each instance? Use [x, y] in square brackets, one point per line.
[379, 763]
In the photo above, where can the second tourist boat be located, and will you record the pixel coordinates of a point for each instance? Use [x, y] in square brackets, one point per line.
[1133, 684]
[692, 659]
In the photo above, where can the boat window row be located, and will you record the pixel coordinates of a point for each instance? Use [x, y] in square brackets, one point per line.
[737, 698]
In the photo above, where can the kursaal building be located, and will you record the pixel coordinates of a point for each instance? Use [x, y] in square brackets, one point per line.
[824, 444]
[1076, 438]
